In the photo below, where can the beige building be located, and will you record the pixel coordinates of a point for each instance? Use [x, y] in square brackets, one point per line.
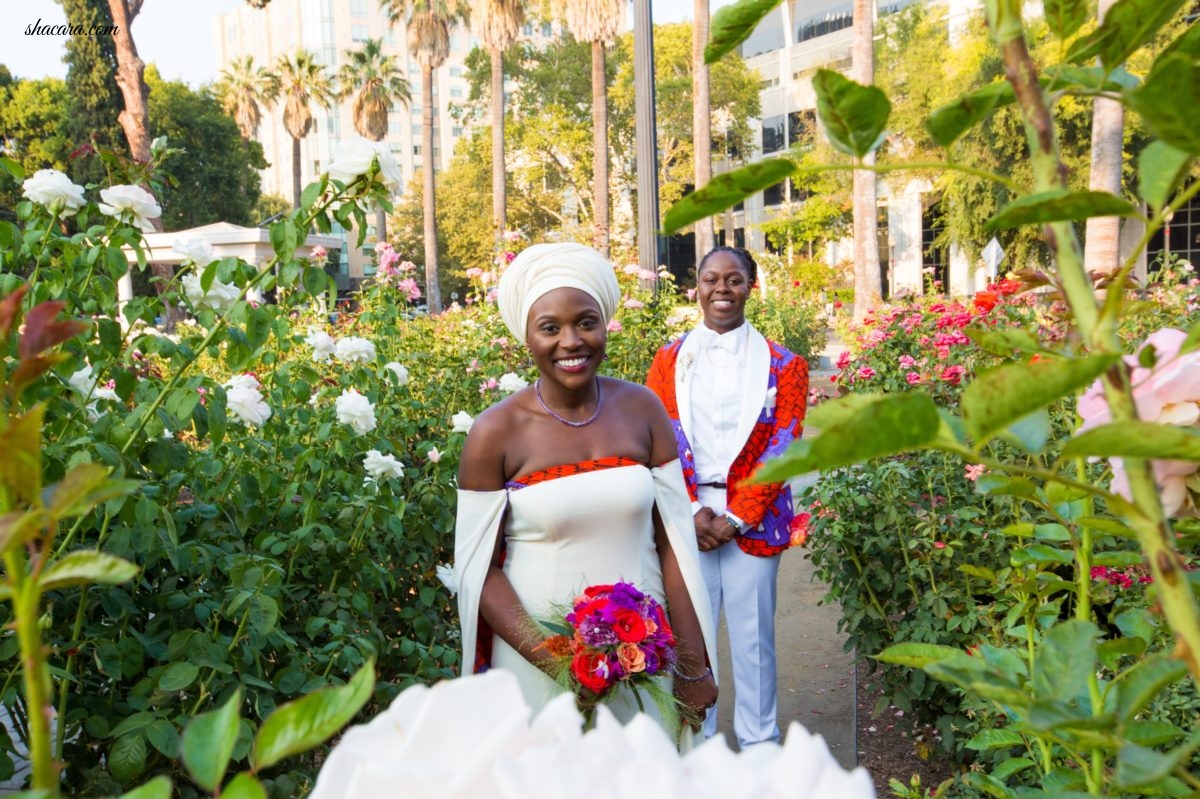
[328, 28]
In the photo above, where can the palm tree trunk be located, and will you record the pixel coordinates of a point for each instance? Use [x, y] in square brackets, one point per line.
[701, 121]
[499, 195]
[295, 173]
[1102, 237]
[432, 288]
[868, 282]
[600, 146]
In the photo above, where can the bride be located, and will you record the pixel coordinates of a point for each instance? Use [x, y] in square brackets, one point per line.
[572, 482]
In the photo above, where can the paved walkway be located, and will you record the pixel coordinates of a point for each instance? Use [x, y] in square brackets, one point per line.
[816, 675]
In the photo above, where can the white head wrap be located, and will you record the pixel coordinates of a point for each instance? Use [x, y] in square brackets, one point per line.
[545, 267]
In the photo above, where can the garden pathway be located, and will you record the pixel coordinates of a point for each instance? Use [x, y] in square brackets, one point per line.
[816, 675]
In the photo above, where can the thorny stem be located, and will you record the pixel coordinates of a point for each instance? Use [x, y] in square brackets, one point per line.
[1100, 334]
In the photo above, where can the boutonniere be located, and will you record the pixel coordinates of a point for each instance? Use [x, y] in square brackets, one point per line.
[685, 363]
[769, 403]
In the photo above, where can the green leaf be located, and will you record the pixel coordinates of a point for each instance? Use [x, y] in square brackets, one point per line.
[995, 739]
[916, 655]
[285, 237]
[85, 487]
[1127, 25]
[898, 422]
[21, 466]
[1065, 660]
[1136, 439]
[315, 280]
[732, 24]
[1169, 102]
[1014, 765]
[1137, 687]
[127, 758]
[1151, 732]
[726, 190]
[13, 168]
[854, 116]
[1138, 766]
[177, 676]
[300, 725]
[258, 328]
[18, 527]
[1065, 16]
[1051, 532]
[1109, 526]
[208, 743]
[1040, 553]
[244, 786]
[1161, 168]
[87, 566]
[1118, 559]
[1031, 432]
[947, 123]
[1001, 396]
[157, 788]
[1005, 341]
[163, 736]
[1137, 623]
[1059, 205]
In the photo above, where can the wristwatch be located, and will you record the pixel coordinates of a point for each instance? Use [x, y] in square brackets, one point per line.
[733, 522]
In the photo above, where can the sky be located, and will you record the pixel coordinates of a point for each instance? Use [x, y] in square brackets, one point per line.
[176, 35]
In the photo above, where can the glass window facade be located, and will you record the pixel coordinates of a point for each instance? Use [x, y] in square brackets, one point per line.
[773, 134]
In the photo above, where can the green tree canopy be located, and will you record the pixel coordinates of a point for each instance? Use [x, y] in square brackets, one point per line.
[215, 176]
[93, 99]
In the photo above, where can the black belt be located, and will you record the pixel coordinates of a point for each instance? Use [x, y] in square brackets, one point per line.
[713, 485]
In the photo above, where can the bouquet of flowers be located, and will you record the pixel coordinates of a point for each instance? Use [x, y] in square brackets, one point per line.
[613, 635]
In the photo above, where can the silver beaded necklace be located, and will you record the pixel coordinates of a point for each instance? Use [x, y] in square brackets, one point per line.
[537, 391]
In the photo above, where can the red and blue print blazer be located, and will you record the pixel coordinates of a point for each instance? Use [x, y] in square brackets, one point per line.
[767, 507]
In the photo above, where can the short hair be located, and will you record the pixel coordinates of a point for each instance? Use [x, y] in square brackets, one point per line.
[741, 254]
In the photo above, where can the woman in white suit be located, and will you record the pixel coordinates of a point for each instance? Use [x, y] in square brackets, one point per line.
[735, 400]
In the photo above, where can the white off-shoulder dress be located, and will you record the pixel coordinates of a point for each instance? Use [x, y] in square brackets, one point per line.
[567, 528]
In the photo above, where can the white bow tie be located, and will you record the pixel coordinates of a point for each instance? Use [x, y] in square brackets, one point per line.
[723, 343]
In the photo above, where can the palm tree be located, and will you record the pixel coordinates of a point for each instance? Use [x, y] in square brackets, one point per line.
[598, 22]
[242, 89]
[868, 282]
[1102, 241]
[302, 80]
[427, 23]
[377, 82]
[702, 122]
[497, 23]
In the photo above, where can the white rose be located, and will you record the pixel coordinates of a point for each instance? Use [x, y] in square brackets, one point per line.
[351, 159]
[243, 381]
[448, 576]
[54, 190]
[401, 752]
[353, 349]
[461, 422]
[131, 204]
[434, 455]
[323, 345]
[511, 382]
[389, 168]
[399, 370]
[218, 297]
[355, 410]
[195, 250]
[82, 380]
[245, 401]
[376, 464]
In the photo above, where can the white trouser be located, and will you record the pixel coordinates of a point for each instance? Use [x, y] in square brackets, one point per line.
[744, 585]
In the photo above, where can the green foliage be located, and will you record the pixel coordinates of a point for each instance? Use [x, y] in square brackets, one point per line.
[215, 171]
[93, 97]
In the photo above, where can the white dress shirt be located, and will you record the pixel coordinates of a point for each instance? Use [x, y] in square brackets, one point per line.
[718, 391]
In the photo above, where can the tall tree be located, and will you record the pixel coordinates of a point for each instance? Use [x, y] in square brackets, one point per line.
[134, 118]
[868, 282]
[302, 81]
[597, 22]
[1102, 243]
[377, 82]
[701, 120]
[243, 89]
[427, 23]
[93, 101]
[497, 23]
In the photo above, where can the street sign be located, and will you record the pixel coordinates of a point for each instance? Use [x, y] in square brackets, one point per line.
[993, 254]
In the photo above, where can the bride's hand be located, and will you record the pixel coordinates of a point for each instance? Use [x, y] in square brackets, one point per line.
[697, 696]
